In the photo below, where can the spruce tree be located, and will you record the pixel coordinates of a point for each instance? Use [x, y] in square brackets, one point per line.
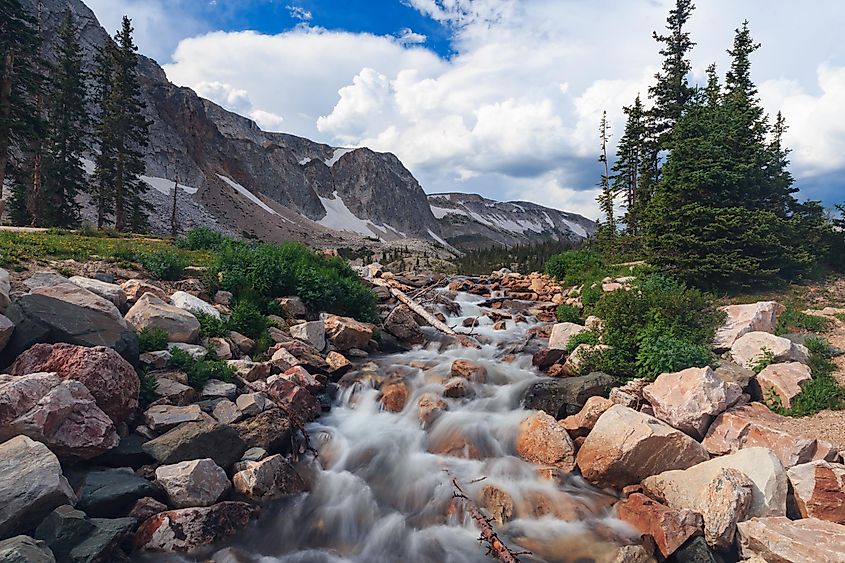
[68, 131]
[123, 132]
[606, 197]
[629, 162]
[21, 83]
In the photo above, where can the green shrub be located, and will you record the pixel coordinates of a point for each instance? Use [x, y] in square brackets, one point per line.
[568, 313]
[210, 326]
[661, 353]
[200, 371]
[764, 360]
[820, 393]
[840, 316]
[585, 337]
[153, 338]
[164, 264]
[590, 294]
[147, 390]
[201, 238]
[609, 361]
[793, 320]
[575, 267]
[247, 319]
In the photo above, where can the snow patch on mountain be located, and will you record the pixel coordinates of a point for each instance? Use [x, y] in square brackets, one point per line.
[336, 156]
[247, 194]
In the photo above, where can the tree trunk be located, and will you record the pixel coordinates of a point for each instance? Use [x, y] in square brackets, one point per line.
[119, 210]
[5, 113]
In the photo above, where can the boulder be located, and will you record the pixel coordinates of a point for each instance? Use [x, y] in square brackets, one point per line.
[146, 507]
[402, 324]
[24, 549]
[626, 446]
[161, 418]
[730, 372]
[469, 370]
[582, 423]
[128, 453]
[457, 388]
[5, 290]
[742, 319]
[270, 430]
[191, 303]
[540, 439]
[300, 376]
[688, 488]
[31, 485]
[561, 397]
[819, 490]
[226, 412]
[245, 344]
[39, 318]
[46, 278]
[346, 333]
[75, 295]
[562, 333]
[394, 395]
[668, 528]
[60, 413]
[338, 365]
[294, 399]
[630, 394]
[108, 291]
[195, 351]
[690, 399]
[176, 393]
[429, 408]
[214, 389]
[251, 404]
[102, 543]
[313, 332]
[268, 479]
[754, 425]
[752, 347]
[221, 348]
[189, 529]
[198, 482]
[63, 529]
[7, 327]
[726, 501]
[150, 311]
[156, 359]
[292, 306]
[547, 357]
[134, 289]
[250, 371]
[291, 353]
[779, 384]
[107, 493]
[780, 540]
[194, 440]
[110, 378]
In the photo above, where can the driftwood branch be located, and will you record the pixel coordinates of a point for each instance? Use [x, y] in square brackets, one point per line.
[417, 308]
[495, 546]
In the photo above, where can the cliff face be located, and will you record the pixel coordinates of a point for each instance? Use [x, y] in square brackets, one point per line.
[272, 185]
[470, 221]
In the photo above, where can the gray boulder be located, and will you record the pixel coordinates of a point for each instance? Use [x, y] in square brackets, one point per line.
[24, 549]
[562, 397]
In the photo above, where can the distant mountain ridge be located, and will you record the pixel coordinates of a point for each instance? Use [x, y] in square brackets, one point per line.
[277, 186]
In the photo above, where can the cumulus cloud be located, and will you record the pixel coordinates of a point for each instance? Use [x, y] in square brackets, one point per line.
[408, 36]
[514, 112]
[299, 13]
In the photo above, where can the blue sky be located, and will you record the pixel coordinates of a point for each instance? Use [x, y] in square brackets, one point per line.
[497, 97]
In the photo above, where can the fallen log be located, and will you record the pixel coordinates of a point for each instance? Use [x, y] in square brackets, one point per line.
[417, 308]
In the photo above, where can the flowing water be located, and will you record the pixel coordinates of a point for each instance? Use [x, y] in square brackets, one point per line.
[380, 493]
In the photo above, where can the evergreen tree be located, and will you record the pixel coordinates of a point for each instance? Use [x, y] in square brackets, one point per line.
[607, 196]
[68, 130]
[626, 169]
[21, 83]
[123, 131]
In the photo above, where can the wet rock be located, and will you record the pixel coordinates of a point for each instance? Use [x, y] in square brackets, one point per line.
[294, 399]
[582, 423]
[313, 332]
[101, 544]
[145, 508]
[134, 289]
[780, 383]
[226, 412]
[270, 430]
[626, 446]
[109, 291]
[39, 318]
[191, 303]
[293, 306]
[251, 404]
[563, 397]
[780, 540]
[110, 492]
[729, 372]
[754, 425]
[338, 365]
[430, 406]
[198, 482]
[214, 388]
[498, 503]
[250, 371]
[401, 324]
[161, 418]
[562, 333]
[500, 325]
[110, 378]
[742, 319]
[753, 346]
[192, 528]
[394, 395]
[31, 485]
[60, 413]
[150, 311]
[686, 488]
[819, 490]
[469, 370]
[457, 388]
[540, 439]
[726, 501]
[268, 479]
[75, 295]
[667, 527]
[346, 333]
[24, 549]
[194, 440]
[62, 529]
[690, 399]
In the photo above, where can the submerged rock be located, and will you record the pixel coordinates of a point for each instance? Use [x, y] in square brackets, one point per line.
[189, 529]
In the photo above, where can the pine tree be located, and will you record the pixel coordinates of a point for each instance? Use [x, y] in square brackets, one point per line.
[21, 83]
[606, 197]
[68, 132]
[628, 165]
[123, 132]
